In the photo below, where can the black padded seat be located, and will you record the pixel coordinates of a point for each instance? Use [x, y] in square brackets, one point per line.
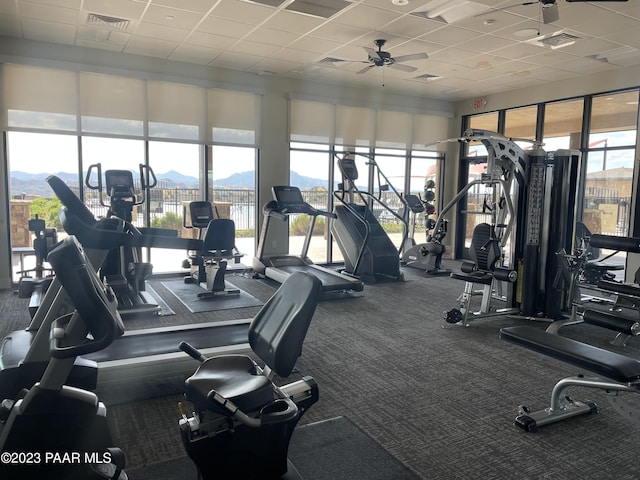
[622, 288]
[232, 376]
[475, 277]
[597, 360]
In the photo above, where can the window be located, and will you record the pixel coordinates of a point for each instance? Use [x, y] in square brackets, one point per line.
[563, 125]
[232, 187]
[33, 157]
[610, 163]
[309, 171]
[521, 123]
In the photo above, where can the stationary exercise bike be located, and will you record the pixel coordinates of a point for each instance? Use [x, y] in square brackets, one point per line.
[208, 266]
[243, 422]
[53, 430]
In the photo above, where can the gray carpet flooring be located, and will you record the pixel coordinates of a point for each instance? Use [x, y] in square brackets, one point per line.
[440, 400]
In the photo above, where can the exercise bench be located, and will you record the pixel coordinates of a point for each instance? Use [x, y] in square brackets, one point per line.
[614, 373]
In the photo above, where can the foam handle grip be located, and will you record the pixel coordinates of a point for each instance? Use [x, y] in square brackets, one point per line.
[626, 244]
[191, 351]
[505, 275]
[612, 322]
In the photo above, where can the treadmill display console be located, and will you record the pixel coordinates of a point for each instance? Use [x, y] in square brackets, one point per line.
[290, 199]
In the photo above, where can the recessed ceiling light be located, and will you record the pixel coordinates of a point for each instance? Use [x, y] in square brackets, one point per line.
[170, 17]
[489, 21]
[526, 32]
[400, 3]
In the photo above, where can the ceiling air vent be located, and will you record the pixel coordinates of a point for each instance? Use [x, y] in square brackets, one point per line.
[318, 8]
[104, 21]
[555, 40]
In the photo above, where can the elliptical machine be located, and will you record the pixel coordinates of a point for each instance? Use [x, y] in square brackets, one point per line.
[53, 430]
[124, 270]
[425, 256]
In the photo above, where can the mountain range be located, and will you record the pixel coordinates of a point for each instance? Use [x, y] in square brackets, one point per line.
[34, 184]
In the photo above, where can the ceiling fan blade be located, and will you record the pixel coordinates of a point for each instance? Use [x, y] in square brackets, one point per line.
[404, 68]
[550, 13]
[364, 70]
[372, 53]
[409, 58]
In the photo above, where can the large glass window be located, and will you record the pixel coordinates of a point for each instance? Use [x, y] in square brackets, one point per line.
[232, 189]
[610, 160]
[309, 171]
[521, 123]
[33, 157]
[485, 121]
[562, 125]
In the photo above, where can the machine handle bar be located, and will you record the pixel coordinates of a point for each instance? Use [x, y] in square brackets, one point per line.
[192, 352]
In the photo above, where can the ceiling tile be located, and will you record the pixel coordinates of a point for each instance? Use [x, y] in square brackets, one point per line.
[48, 31]
[242, 12]
[485, 43]
[271, 36]
[195, 54]
[409, 26]
[293, 22]
[450, 35]
[153, 30]
[339, 32]
[198, 6]
[171, 17]
[254, 48]
[8, 9]
[236, 61]
[48, 13]
[209, 40]
[115, 8]
[227, 28]
[314, 44]
[297, 56]
[112, 47]
[151, 47]
[364, 16]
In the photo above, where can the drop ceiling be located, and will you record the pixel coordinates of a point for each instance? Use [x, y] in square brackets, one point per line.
[475, 48]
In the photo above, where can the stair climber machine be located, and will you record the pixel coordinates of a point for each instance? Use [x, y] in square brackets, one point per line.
[288, 201]
[367, 250]
[425, 256]
[53, 430]
[124, 270]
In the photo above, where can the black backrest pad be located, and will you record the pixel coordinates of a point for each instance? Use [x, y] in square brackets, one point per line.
[221, 235]
[71, 200]
[278, 330]
[484, 249]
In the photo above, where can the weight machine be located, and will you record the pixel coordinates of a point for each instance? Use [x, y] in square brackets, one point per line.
[505, 176]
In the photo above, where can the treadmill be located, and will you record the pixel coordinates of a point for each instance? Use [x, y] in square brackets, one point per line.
[148, 353]
[288, 200]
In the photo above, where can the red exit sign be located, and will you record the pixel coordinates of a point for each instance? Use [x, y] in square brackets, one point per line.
[479, 103]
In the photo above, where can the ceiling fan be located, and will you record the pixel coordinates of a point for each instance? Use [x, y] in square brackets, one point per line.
[380, 58]
[549, 8]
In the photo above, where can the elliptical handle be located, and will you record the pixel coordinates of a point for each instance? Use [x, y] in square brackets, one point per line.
[192, 352]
